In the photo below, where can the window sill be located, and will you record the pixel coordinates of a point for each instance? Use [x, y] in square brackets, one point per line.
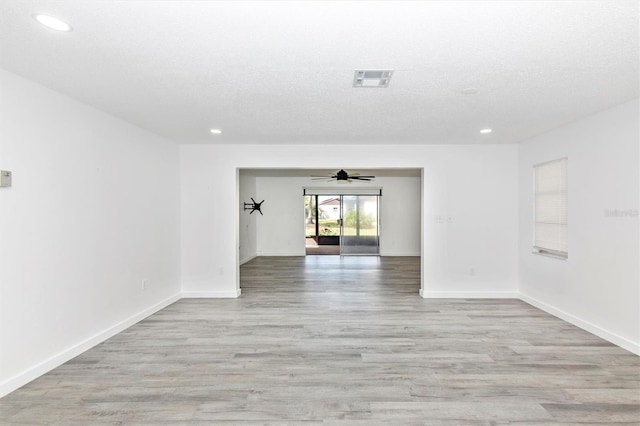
[552, 255]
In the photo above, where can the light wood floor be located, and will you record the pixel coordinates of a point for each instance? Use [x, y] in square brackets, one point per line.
[335, 340]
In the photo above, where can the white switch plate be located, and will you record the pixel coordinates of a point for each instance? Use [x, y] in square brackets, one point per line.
[5, 179]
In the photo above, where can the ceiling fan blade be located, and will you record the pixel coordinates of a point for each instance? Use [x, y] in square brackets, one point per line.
[321, 178]
[360, 178]
[358, 174]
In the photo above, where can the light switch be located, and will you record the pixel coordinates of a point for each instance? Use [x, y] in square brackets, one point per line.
[5, 179]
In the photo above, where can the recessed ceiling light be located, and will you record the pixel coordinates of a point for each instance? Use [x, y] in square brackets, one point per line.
[216, 131]
[485, 131]
[372, 78]
[53, 23]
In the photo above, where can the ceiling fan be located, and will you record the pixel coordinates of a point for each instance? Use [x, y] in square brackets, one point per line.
[341, 175]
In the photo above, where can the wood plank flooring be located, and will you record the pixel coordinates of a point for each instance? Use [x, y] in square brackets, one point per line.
[331, 340]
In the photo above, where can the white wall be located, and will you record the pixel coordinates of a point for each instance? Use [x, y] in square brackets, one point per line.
[94, 210]
[247, 229]
[597, 288]
[400, 216]
[281, 232]
[281, 229]
[475, 185]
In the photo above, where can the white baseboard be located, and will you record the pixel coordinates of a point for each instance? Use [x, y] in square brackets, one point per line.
[468, 294]
[233, 294]
[392, 254]
[247, 259]
[49, 364]
[282, 253]
[623, 342]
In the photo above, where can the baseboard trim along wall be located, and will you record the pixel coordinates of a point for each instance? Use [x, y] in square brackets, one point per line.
[233, 294]
[247, 259]
[57, 360]
[623, 342]
[282, 253]
[468, 294]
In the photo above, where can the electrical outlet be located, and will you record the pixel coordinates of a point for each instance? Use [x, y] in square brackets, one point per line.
[145, 284]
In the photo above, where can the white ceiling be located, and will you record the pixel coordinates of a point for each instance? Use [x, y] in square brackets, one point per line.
[282, 72]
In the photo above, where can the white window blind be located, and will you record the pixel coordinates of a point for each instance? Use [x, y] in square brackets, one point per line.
[551, 207]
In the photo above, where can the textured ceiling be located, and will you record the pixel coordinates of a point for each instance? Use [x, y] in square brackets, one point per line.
[282, 72]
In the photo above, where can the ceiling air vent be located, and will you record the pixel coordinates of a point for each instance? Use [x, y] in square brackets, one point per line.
[372, 78]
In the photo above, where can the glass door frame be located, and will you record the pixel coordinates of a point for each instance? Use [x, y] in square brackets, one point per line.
[357, 208]
[341, 228]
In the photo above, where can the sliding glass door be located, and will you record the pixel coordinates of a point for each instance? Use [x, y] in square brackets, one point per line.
[359, 225]
[342, 224]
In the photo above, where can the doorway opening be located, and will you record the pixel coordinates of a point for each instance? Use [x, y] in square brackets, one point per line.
[342, 224]
[281, 230]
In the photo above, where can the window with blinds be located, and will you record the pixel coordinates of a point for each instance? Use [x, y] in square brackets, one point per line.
[551, 208]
